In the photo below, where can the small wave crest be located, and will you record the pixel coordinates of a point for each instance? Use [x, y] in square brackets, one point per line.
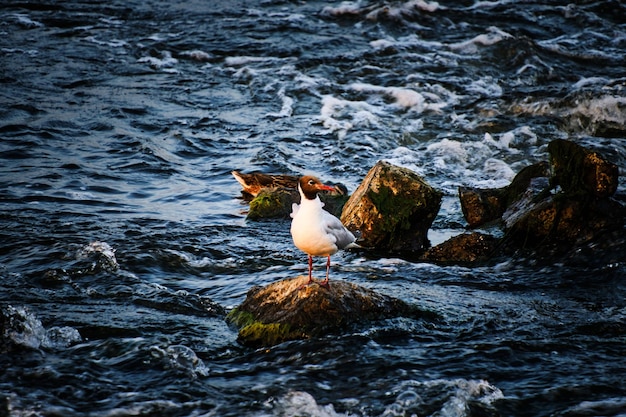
[446, 398]
[21, 328]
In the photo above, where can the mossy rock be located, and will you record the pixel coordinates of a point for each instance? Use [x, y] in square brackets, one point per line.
[392, 208]
[290, 310]
[273, 203]
[466, 248]
[484, 205]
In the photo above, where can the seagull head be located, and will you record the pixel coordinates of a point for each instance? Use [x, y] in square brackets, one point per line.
[309, 186]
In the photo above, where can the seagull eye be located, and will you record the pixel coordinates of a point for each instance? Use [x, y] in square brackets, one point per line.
[311, 182]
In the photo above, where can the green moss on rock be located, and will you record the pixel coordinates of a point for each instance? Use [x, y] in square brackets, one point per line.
[288, 310]
[271, 203]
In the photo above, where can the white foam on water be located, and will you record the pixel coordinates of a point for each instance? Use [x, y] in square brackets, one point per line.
[471, 46]
[455, 395]
[28, 331]
[103, 249]
[197, 55]
[340, 115]
[237, 61]
[26, 22]
[345, 8]
[410, 41]
[165, 62]
[615, 406]
[606, 108]
[287, 106]
[490, 4]
[183, 358]
[590, 81]
[486, 86]
[468, 163]
[114, 43]
[302, 404]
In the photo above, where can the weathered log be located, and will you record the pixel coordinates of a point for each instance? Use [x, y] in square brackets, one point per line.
[393, 209]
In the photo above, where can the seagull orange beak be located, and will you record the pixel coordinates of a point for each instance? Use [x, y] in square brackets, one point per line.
[324, 187]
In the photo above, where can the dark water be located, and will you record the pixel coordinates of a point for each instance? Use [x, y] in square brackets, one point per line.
[123, 240]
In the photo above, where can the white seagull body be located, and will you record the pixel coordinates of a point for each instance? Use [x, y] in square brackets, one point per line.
[315, 231]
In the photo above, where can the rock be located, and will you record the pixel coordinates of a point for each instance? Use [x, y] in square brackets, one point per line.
[464, 248]
[580, 171]
[285, 310]
[393, 209]
[537, 214]
[482, 206]
[271, 203]
[564, 220]
[526, 201]
[578, 213]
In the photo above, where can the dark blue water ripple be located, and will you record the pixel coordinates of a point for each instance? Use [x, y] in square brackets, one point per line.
[123, 240]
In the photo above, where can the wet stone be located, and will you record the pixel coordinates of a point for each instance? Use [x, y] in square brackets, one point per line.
[464, 248]
[579, 170]
[481, 206]
[272, 203]
[392, 208]
[290, 310]
[564, 220]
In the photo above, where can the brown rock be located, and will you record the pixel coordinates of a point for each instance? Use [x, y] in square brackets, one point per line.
[285, 310]
[579, 170]
[393, 209]
[464, 248]
[564, 219]
[481, 206]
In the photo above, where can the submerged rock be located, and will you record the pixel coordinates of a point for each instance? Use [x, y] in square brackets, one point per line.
[393, 209]
[287, 310]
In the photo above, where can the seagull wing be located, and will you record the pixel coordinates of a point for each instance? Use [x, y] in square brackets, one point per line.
[333, 226]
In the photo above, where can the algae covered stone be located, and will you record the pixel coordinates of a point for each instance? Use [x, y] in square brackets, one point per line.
[289, 310]
[393, 209]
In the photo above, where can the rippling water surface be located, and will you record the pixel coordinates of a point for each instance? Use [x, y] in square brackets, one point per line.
[123, 240]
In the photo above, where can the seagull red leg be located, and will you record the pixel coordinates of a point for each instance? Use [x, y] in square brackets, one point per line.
[310, 270]
[325, 283]
[310, 274]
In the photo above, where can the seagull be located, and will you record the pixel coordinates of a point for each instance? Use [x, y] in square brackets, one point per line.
[315, 231]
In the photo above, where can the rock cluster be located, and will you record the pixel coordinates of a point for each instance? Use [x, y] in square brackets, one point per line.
[563, 202]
